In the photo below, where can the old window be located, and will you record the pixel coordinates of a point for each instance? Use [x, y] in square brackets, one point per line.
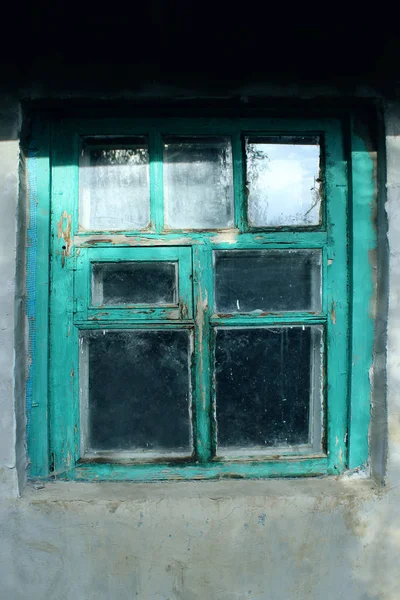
[200, 299]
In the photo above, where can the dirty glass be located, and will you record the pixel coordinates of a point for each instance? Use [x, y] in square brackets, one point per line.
[114, 184]
[267, 280]
[268, 387]
[147, 282]
[198, 183]
[283, 181]
[137, 394]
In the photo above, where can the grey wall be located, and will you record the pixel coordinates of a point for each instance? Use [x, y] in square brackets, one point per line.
[9, 161]
[230, 540]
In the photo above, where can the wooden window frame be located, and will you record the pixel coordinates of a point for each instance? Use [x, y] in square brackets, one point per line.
[345, 237]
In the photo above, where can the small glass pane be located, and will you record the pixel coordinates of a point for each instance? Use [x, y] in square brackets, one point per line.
[114, 184]
[149, 282]
[268, 387]
[283, 181]
[198, 188]
[136, 391]
[267, 280]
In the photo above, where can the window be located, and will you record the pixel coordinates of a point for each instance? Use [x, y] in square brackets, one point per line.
[202, 299]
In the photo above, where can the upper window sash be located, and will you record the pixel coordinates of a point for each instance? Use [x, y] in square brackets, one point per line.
[153, 135]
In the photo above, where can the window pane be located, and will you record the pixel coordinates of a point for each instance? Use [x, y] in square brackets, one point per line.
[283, 181]
[137, 394]
[268, 387]
[114, 184]
[198, 188]
[148, 282]
[267, 280]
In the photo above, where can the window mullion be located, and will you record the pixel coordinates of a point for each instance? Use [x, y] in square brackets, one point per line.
[203, 296]
[240, 199]
[156, 182]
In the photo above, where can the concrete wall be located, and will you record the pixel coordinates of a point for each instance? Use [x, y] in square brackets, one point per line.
[230, 540]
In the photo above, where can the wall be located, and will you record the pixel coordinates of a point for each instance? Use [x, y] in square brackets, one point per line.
[9, 162]
[229, 540]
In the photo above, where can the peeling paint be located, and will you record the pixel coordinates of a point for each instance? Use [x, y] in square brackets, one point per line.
[227, 237]
[333, 313]
[128, 240]
[201, 311]
[64, 232]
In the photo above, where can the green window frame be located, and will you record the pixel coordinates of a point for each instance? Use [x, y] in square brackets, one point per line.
[86, 310]
[60, 305]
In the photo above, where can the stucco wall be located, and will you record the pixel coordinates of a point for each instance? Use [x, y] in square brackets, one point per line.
[226, 540]
[9, 160]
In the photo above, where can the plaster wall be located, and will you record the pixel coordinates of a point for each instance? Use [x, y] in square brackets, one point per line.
[230, 540]
[9, 161]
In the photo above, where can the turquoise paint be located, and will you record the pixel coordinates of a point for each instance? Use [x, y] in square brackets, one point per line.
[37, 305]
[156, 182]
[222, 239]
[214, 470]
[81, 265]
[31, 266]
[336, 300]
[239, 184]
[362, 245]
[63, 399]
[258, 319]
[203, 298]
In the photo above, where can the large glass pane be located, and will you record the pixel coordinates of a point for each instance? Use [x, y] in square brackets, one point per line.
[114, 184]
[149, 282]
[198, 188]
[268, 387]
[136, 391]
[267, 280]
[283, 181]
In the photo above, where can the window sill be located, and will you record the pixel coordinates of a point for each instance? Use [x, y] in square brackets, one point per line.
[142, 473]
[348, 485]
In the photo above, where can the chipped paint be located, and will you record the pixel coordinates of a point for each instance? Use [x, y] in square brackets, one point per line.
[201, 311]
[129, 240]
[173, 315]
[333, 313]
[64, 232]
[183, 311]
[226, 237]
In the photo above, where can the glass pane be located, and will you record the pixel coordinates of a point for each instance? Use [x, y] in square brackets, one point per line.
[147, 282]
[137, 394]
[267, 280]
[198, 188]
[283, 181]
[268, 387]
[114, 184]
